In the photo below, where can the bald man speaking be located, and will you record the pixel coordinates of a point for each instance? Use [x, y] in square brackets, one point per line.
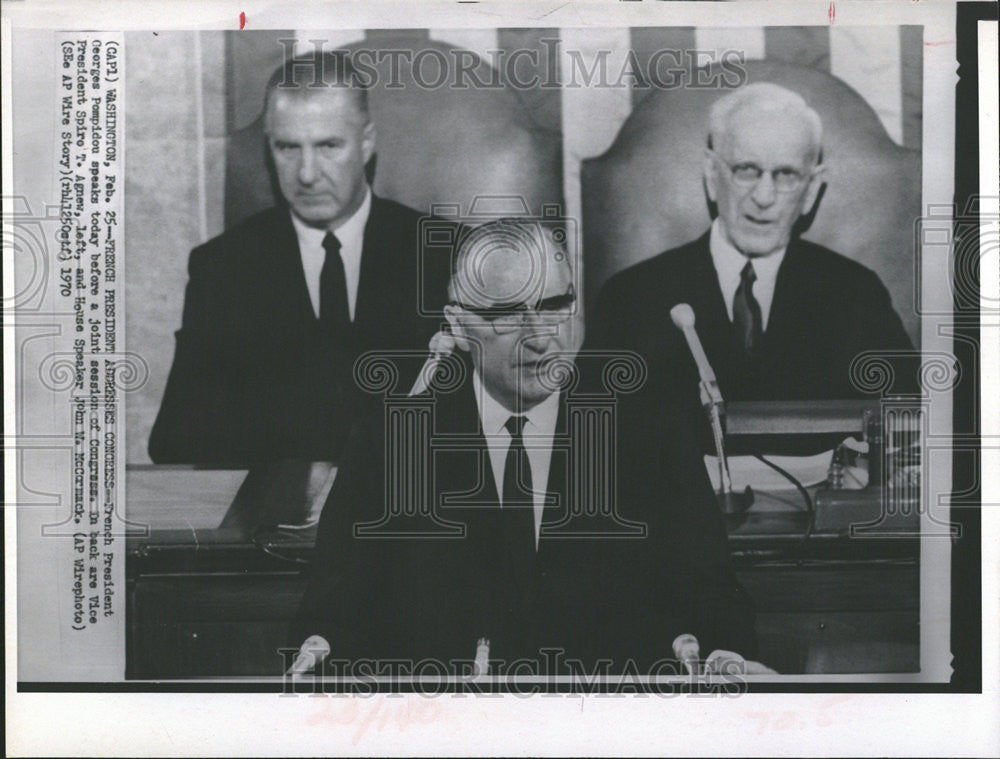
[545, 596]
[779, 317]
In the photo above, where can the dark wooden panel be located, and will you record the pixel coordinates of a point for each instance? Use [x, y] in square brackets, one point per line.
[837, 618]
[840, 642]
[218, 602]
[205, 625]
[833, 586]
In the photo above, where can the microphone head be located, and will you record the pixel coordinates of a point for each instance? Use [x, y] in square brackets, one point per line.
[312, 652]
[682, 316]
[316, 645]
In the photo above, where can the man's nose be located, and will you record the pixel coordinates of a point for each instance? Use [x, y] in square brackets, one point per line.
[764, 193]
[538, 332]
[307, 167]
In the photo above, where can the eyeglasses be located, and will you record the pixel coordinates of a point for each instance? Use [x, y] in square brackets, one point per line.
[505, 319]
[747, 174]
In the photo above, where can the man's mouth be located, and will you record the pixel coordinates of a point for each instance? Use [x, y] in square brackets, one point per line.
[531, 365]
[758, 222]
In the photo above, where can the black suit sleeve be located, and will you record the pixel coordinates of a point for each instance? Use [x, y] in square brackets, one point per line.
[723, 612]
[241, 391]
[871, 303]
[611, 323]
[334, 602]
[632, 314]
[200, 411]
[877, 327]
[701, 594]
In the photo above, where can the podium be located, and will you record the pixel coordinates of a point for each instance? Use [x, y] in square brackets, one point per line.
[889, 503]
[211, 601]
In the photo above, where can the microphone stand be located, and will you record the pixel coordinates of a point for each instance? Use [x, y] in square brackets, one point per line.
[682, 315]
[729, 502]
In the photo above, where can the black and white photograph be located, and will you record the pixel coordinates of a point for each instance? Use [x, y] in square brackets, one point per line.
[477, 377]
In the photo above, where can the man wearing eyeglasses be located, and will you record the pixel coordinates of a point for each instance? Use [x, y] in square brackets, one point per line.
[526, 571]
[779, 317]
[511, 345]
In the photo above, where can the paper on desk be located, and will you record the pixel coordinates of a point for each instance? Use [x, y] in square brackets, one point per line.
[748, 470]
[180, 497]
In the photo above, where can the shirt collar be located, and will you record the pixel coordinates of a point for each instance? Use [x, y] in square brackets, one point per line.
[729, 262]
[350, 233]
[494, 415]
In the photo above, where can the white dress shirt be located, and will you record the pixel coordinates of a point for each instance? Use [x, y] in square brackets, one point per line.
[352, 237]
[729, 262]
[538, 433]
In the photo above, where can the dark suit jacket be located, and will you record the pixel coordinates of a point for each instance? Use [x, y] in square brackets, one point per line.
[253, 377]
[593, 597]
[826, 310]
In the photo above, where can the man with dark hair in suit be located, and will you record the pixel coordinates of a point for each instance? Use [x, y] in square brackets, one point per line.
[510, 474]
[278, 307]
[779, 317]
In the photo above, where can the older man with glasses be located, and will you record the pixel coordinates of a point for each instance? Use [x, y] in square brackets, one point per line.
[779, 317]
[516, 556]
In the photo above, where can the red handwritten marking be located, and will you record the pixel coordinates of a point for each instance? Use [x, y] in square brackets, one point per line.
[823, 719]
[799, 720]
[345, 716]
[243, 19]
[368, 719]
[377, 713]
[942, 42]
[832, 12]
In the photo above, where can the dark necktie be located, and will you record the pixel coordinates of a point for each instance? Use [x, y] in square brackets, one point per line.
[334, 314]
[518, 501]
[746, 312]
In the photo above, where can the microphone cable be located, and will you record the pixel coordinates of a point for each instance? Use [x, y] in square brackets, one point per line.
[265, 543]
[810, 506]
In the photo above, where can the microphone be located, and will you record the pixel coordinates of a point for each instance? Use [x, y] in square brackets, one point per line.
[682, 316]
[481, 665]
[312, 651]
[441, 345]
[686, 650]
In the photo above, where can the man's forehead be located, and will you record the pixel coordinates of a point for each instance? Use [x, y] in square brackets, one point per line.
[775, 131]
[514, 273]
[305, 102]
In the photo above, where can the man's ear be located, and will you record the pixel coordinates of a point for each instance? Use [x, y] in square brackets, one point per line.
[452, 314]
[708, 171]
[368, 140]
[812, 190]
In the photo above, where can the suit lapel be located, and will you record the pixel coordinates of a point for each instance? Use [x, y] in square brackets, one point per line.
[705, 287]
[712, 316]
[790, 290]
[371, 275]
[509, 571]
[707, 300]
[287, 280]
[464, 477]
[465, 490]
[386, 283]
[557, 487]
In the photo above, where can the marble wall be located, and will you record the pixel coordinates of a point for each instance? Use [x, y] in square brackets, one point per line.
[175, 167]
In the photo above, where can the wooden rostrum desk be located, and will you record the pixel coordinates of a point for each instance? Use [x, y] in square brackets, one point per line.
[209, 602]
